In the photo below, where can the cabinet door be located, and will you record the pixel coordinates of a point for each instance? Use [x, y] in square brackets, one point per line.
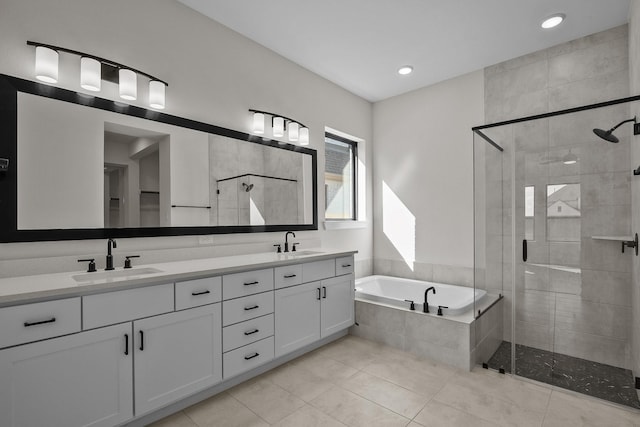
[297, 316]
[337, 304]
[85, 379]
[176, 354]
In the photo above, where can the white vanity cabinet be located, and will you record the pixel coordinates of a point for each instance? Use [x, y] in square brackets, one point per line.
[308, 312]
[176, 354]
[105, 358]
[76, 380]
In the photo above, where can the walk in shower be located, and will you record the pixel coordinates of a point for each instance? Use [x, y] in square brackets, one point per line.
[553, 236]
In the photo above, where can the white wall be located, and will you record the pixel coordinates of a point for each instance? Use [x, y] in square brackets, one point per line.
[423, 159]
[215, 75]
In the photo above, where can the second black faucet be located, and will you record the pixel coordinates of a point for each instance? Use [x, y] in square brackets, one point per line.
[110, 244]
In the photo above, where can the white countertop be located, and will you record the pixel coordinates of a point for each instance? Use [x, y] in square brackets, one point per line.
[29, 289]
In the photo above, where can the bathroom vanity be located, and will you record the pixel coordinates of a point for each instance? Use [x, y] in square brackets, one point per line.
[108, 348]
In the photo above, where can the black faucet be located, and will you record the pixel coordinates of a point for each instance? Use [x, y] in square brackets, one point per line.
[286, 240]
[425, 306]
[111, 243]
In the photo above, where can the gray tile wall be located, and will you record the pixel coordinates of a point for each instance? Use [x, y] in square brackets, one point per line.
[584, 310]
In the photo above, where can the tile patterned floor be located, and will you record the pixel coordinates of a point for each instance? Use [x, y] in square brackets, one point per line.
[355, 382]
[584, 376]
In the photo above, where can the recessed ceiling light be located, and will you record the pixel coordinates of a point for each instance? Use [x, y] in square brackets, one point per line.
[405, 69]
[553, 21]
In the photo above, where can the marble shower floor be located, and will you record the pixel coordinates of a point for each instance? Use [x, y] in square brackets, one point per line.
[580, 375]
[359, 383]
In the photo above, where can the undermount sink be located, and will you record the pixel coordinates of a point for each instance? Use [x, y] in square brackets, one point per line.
[115, 274]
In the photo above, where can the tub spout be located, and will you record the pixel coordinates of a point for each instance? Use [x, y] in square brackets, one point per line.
[425, 306]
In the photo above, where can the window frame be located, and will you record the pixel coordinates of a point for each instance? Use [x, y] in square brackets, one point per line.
[354, 178]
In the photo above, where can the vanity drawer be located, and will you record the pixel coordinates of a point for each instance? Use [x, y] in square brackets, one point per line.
[248, 357]
[244, 333]
[32, 322]
[122, 306]
[241, 309]
[247, 283]
[288, 275]
[193, 293]
[318, 270]
[344, 265]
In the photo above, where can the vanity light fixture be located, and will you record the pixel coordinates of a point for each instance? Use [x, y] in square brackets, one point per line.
[46, 64]
[94, 69]
[297, 132]
[553, 21]
[90, 74]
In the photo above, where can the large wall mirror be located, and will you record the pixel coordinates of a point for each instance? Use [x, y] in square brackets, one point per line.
[82, 167]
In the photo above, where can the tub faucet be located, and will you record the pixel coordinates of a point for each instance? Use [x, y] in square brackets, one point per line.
[425, 306]
[111, 243]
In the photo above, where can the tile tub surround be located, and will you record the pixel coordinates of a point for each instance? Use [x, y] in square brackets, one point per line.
[355, 382]
[452, 340]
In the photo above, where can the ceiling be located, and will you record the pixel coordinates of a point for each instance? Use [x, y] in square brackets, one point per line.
[360, 44]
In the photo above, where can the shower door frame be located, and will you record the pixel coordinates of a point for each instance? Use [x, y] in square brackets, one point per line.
[478, 130]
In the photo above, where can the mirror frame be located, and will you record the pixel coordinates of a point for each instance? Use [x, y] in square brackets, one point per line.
[9, 89]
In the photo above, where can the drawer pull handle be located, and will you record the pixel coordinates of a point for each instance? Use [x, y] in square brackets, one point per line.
[346, 265]
[126, 344]
[195, 294]
[324, 292]
[256, 354]
[255, 331]
[141, 341]
[318, 297]
[42, 322]
[251, 283]
[289, 276]
[251, 308]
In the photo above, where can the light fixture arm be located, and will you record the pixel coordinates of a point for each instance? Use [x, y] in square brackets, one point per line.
[273, 115]
[97, 58]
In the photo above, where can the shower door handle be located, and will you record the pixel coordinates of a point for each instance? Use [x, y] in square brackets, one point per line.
[524, 250]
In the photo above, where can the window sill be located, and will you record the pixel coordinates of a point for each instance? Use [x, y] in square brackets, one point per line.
[343, 225]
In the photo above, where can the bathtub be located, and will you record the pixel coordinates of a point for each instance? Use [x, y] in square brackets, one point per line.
[394, 291]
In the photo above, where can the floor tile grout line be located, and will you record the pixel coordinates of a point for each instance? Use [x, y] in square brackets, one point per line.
[249, 409]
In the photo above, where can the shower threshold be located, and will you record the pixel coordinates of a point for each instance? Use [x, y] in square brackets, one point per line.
[572, 373]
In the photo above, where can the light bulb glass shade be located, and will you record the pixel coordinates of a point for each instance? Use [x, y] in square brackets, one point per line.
[304, 136]
[128, 84]
[278, 126]
[405, 69]
[156, 94]
[258, 123]
[293, 131]
[90, 74]
[46, 64]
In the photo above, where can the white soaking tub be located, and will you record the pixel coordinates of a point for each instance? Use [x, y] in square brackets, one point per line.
[395, 291]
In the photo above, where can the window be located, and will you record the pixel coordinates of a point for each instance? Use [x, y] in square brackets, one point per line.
[340, 177]
[563, 213]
